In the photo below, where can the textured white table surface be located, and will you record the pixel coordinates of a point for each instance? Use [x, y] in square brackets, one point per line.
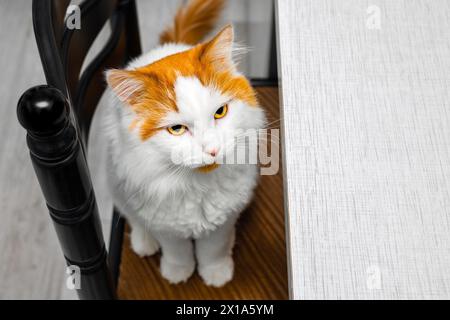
[366, 123]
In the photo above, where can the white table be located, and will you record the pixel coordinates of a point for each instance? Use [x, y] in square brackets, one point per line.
[366, 129]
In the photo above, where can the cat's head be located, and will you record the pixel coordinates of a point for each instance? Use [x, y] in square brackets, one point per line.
[190, 105]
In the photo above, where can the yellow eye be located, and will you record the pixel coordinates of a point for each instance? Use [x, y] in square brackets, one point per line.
[177, 130]
[221, 112]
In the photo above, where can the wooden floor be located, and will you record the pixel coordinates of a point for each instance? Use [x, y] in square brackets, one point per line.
[259, 253]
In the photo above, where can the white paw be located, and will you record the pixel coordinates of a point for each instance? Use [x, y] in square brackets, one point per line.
[217, 274]
[176, 273]
[142, 243]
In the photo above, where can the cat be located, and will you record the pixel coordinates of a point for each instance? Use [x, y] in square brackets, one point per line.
[184, 97]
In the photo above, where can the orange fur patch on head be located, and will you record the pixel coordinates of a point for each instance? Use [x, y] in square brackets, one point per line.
[149, 90]
[147, 95]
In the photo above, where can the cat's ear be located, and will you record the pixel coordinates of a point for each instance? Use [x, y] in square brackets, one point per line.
[219, 50]
[126, 84]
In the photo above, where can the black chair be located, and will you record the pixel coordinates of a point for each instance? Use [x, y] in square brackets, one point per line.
[57, 117]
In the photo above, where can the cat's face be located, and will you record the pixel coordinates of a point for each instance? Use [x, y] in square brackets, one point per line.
[192, 105]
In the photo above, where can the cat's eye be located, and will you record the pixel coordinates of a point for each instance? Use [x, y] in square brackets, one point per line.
[221, 112]
[177, 130]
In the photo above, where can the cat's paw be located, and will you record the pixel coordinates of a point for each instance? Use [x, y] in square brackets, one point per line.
[219, 273]
[142, 243]
[176, 273]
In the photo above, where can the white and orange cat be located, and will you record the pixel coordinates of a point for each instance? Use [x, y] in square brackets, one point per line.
[186, 98]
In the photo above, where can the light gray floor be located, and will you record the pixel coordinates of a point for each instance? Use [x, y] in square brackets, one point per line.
[31, 262]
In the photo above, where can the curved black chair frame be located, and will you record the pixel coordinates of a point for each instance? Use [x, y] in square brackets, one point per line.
[57, 117]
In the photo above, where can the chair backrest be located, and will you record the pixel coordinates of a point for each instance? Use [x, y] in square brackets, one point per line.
[58, 116]
[63, 50]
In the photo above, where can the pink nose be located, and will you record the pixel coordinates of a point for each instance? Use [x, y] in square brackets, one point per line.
[212, 152]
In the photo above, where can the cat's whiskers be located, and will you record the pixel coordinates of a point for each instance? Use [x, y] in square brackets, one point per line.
[272, 122]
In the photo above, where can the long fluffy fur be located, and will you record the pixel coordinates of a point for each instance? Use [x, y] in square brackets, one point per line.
[193, 22]
[170, 203]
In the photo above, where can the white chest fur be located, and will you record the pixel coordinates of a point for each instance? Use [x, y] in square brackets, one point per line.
[205, 201]
[211, 200]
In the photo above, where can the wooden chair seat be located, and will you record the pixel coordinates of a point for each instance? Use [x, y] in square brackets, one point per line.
[259, 253]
